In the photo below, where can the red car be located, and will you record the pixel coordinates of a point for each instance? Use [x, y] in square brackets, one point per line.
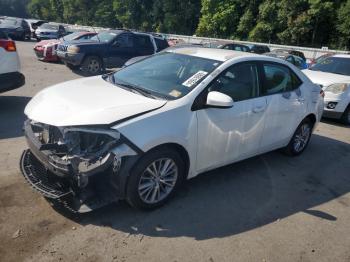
[46, 50]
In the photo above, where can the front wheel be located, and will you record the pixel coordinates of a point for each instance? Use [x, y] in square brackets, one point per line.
[155, 179]
[92, 65]
[300, 139]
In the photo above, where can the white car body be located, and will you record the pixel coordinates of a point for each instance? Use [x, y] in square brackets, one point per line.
[10, 67]
[326, 80]
[207, 137]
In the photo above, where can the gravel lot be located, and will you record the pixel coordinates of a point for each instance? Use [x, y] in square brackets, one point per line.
[268, 208]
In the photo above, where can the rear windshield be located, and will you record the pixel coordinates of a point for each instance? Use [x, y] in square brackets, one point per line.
[335, 65]
[10, 22]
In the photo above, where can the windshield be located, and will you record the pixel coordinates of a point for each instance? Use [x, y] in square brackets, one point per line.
[104, 37]
[48, 26]
[335, 65]
[10, 22]
[166, 75]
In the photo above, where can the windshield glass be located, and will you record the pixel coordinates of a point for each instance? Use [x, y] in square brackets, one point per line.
[335, 65]
[10, 22]
[166, 75]
[104, 37]
[48, 26]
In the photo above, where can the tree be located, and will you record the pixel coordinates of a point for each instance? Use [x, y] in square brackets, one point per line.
[343, 24]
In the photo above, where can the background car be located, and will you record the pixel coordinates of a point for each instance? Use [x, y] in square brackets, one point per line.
[16, 28]
[50, 31]
[227, 45]
[295, 60]
[290, 51]
[258, 49]
[108, 49]
[333, 74]
[45, 50]
[34, 24]
[10, 76]
[136, 134]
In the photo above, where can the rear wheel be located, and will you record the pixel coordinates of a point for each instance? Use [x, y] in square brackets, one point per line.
[346, 116]
[92, 65]
[155, 179]
[300, 139]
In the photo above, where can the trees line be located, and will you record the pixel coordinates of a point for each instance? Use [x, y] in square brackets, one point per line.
[313, 23]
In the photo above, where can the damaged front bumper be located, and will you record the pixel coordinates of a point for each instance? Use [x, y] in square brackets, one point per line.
[80, 185]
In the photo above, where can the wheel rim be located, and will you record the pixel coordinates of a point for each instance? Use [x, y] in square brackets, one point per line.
[302, 137]
[158, 180]
[94, 66]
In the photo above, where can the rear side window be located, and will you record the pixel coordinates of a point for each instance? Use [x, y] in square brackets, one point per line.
[240, 82]
[161, 44]
[143, 41]
[279, 79]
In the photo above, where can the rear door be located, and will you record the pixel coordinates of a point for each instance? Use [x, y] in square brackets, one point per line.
[285, 104]
[144, 45]
[231, 134]
[120, 50]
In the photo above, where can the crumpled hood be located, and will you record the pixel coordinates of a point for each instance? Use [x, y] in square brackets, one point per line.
[87, 101]
[325, 79]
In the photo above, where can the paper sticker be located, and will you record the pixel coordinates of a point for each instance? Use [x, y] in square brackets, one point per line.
[175, 93]
[194, 79]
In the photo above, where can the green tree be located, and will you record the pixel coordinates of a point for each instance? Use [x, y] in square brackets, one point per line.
[343, 25]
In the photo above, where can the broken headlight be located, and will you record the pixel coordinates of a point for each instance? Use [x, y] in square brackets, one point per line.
[89, 141]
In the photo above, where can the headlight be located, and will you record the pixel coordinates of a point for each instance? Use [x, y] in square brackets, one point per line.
[337, 88]
[73, 49]
[87, 141]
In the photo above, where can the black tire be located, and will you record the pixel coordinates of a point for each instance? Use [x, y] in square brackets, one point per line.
[23, 36]
[133, 196]
[92, 65]
[346, 116]
[292, 149]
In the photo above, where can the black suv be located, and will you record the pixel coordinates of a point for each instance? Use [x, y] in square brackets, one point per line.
[108, 49]
[16, 28]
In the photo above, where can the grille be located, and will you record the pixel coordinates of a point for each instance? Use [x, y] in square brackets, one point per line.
[62, 48]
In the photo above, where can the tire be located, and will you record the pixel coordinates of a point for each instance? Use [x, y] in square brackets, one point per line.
[92, 65]
[23, 37]
[300, 139]
[147, 191]
[346, 116]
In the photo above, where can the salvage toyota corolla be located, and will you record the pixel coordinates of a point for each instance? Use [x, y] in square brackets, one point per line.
[137, 133]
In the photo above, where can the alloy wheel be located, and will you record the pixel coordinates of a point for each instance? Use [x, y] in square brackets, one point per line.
[158, 180]
[302, 137]
[94, 66]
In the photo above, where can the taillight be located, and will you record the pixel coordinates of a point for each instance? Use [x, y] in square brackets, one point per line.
[322, 93]
[8, 45]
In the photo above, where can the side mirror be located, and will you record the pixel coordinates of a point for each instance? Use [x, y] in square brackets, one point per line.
[219, 100]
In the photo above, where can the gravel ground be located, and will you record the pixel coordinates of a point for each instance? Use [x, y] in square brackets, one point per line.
[268, 208]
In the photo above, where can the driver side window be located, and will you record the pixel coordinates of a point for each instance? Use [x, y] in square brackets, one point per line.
[240, 82]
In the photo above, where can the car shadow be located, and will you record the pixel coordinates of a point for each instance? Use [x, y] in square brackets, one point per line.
[12, 115]
[335, 122]
[242, 196]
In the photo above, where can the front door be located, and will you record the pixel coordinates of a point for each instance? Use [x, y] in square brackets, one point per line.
[120, 50]
[228, 135]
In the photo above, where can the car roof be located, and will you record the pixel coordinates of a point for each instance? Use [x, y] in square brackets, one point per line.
[212, 53]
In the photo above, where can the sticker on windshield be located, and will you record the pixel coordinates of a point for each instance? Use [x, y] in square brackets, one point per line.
[175, 93]
[194, 79]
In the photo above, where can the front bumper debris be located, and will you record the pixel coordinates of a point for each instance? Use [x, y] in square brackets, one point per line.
[57, 180]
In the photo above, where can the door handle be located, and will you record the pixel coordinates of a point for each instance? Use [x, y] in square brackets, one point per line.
[259, 109]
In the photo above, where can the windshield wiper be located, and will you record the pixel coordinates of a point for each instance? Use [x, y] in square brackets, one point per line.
[131, 87]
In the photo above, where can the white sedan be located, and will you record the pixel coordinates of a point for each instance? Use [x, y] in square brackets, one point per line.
[333, 74]
[137, 133]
